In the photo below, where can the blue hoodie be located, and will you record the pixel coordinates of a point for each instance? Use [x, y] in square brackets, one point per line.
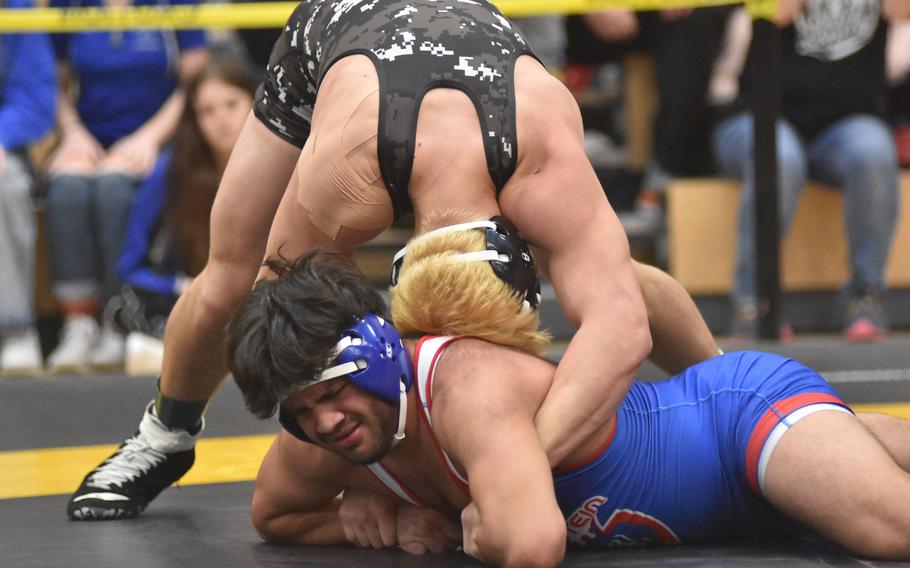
[28, 85]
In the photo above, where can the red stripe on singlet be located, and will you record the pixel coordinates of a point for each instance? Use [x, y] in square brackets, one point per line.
[582, 463]
[404, 487]
[432, 368]
[771, 418]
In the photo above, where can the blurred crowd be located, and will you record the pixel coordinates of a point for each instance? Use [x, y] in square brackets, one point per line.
[118, 140]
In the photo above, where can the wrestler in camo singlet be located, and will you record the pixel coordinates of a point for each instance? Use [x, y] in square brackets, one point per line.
[415, 46]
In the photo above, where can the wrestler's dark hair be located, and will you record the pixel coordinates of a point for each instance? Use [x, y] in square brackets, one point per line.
[283, 334]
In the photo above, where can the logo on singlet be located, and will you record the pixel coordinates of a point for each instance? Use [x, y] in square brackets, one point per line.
[622, 528]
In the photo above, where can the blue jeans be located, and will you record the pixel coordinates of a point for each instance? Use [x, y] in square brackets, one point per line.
[17, 247]
[855, 154]
[86, 221]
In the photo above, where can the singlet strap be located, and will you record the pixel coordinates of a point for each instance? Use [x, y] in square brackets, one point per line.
[392, 482]
[425, 358]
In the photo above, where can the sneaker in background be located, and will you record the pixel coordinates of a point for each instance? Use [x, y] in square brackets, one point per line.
[143, 466]
[77, 341]
[20, 354]
[866, 319]
[144, 354]
[108, 352]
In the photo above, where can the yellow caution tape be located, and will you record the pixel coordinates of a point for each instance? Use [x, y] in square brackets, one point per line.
[275, 14]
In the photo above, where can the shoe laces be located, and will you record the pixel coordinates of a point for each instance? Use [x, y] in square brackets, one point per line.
[135, 458]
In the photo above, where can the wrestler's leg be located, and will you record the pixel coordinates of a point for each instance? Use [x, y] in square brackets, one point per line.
[681, 337]
[241, 217]
[337, 198]
[122, 486]
[892, 432]
[831, 473]
[294, 233]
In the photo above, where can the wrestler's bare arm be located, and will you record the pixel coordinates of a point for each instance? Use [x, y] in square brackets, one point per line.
[294, 500]
[559, 206]
[485, 398]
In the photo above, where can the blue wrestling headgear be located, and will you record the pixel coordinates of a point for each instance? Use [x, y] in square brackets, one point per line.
[371, 355]
[507, 253]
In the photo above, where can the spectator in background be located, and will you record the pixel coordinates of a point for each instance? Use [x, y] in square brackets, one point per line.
[167, 238]
[684, 44]
[28, 90]
[898, 69]
[831, 130]
[127, 105]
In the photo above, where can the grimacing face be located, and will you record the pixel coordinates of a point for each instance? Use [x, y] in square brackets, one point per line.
[346, 420]
[221, 110]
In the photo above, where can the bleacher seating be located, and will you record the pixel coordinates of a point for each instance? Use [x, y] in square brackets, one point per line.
[701, 236]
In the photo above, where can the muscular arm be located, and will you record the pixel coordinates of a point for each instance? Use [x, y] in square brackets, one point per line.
[294, 500]
[483, 415]
[561, 209]
[680, 335]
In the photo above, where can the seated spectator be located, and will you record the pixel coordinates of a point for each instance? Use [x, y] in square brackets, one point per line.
[167, 237]
[28, 88]
[127, 106]
[831, 130]
[684, 44]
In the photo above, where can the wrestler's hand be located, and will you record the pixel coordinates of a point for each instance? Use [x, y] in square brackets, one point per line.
[422, 530]
[2, 160]
[78, 153]
[470, 524]
[133, 154]
[369, 520]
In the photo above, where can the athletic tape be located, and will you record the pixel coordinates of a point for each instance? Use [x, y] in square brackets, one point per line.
[275, 14]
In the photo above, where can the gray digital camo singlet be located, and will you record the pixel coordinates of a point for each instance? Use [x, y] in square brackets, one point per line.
[415, 45]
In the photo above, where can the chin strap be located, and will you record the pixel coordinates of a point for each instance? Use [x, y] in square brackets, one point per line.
[402, 413]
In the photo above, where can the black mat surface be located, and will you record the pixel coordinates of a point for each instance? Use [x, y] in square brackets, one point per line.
[208, 526]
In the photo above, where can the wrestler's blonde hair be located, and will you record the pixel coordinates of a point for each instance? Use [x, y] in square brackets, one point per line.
[439, 295]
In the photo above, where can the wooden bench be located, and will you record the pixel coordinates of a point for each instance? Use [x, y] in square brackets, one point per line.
[701, 234]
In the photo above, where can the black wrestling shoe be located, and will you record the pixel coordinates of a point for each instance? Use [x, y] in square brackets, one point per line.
[143, 466]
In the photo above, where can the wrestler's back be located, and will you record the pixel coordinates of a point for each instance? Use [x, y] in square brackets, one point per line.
[450, 167]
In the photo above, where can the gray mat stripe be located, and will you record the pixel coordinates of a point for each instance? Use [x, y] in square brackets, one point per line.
[868, 376]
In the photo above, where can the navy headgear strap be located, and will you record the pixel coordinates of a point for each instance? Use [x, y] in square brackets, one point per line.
[507, 253]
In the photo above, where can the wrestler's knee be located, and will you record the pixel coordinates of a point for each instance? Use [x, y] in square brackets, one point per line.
[221, 287]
